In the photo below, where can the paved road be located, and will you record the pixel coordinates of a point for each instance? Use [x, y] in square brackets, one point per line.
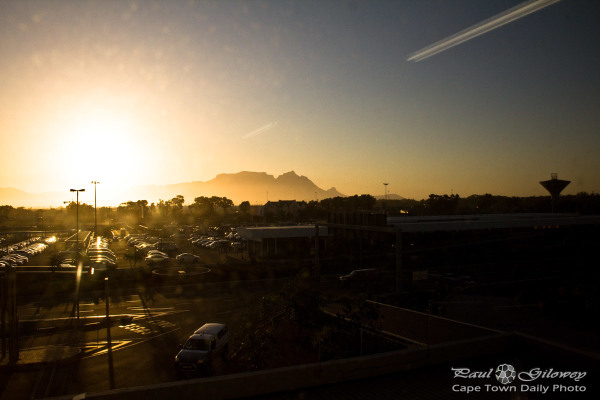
[137, 353]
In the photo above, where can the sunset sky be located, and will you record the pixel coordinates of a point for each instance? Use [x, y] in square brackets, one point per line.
[159, 92]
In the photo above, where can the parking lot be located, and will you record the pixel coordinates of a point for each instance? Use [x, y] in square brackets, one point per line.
[138, 348]
[153, 308]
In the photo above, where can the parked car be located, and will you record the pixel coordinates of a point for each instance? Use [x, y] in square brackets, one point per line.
[156, 259]
[202, 347]
[237, 246]
[25, 253]
[101, 252]
[8, 261]
[168, 247]
[358, 276]
[20, 260]
[101, 262]
[187, 258]
[162, 253]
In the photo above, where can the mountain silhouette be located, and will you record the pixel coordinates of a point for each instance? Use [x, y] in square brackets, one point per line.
[18, 198]
[255, 187]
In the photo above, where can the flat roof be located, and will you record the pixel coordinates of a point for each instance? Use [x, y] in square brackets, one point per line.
[488, 221]
[270, 232]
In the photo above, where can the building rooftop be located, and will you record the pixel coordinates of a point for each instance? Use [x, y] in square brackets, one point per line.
[268, 232]
[488, 221]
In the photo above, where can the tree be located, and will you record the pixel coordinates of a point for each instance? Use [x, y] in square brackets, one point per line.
[55, 261]
[133, 256]
[245, 207]
[133, 211]
[203, 206]
[222, 202]
[354, 203]
[442, 205]
[85, 211]
[143, 205]
[5, 212]
[175, 206]
[178, 201]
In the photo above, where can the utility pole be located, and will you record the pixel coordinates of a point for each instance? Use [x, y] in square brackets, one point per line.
[79, 261]
[317, 253]
[77, 218]
[106, 300]
[13, 318]
[95, 210]
[399, 272]
[3, 304]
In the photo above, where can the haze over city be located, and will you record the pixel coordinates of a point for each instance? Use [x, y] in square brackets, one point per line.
[164, 92]
[285, 199]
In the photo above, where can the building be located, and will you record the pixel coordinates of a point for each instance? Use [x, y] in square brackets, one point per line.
[283, 209]
[282, 241]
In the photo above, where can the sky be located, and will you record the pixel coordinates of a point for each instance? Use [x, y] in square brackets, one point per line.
[158, 92]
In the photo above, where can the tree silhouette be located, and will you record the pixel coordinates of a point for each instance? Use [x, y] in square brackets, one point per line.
[178, 201]
[55, 261]
[133, 256]
[245, 207]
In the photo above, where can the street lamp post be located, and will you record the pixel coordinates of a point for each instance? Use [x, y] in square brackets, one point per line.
[77, 255]
[77, 218]
[106, 300]
[95, 210]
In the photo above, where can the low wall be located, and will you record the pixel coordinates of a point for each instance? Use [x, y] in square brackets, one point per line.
[309, 375]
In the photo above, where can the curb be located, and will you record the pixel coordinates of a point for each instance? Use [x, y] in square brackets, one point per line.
[38, 357]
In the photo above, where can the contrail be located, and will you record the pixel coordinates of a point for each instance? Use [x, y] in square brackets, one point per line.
[489, 24]
[260, 130]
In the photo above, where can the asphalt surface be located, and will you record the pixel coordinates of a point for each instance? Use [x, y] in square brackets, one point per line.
[136, 348]
[64, 356]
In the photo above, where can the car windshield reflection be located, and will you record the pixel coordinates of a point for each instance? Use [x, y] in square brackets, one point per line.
[197, 344]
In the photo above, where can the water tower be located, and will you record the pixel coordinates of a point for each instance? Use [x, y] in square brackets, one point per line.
[554, 186]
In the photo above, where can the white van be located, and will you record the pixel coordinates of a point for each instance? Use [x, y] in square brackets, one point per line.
[202, 347]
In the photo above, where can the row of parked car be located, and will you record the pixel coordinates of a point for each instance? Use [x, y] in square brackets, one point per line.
[229, 242]
[209, 242]
[139, 241]
[146, 243]
[20, 253]
[157, 257]
[99, 255]
[157, 251]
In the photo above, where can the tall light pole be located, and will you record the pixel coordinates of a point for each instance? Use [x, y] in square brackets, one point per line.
[385, 184]
[77, 218]
[77, 255]
[95, 212]
[106, 299]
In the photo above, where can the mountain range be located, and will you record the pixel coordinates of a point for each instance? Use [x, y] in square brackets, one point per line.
[255, 187]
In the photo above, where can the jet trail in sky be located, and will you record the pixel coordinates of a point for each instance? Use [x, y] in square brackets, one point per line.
[260, 130]
[489, 24]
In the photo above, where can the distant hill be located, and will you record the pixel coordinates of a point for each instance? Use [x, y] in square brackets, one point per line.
[255, 187]
[390, 196]
[19, 198]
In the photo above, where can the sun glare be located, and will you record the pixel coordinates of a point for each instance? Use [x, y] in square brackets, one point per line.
[104, 145]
